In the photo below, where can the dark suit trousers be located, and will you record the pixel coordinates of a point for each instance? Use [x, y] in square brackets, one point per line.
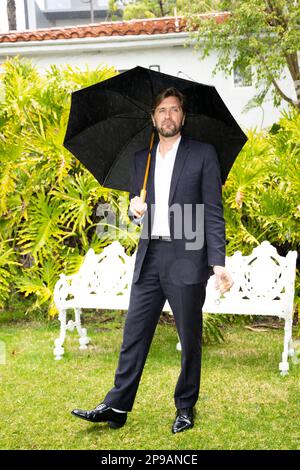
[147, 299]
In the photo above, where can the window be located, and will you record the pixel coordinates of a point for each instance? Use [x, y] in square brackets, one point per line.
[58, 4]
[101, 3]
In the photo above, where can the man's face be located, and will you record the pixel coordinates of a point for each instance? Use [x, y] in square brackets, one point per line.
[168, 117]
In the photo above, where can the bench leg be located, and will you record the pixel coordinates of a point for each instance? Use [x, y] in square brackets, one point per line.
[59, 350]
[83, 338]
[287, 346]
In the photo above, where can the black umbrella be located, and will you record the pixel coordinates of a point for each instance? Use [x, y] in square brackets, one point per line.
[110, 121]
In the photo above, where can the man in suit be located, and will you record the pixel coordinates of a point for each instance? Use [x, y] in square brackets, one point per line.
[182, 243]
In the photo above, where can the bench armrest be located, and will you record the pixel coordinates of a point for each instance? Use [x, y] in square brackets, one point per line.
[63, 288]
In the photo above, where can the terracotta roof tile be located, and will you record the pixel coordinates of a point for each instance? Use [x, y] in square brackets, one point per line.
[117, 28]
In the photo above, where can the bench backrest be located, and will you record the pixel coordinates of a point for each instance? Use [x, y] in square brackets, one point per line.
[263, 281]
[107, 273]
[264, 284]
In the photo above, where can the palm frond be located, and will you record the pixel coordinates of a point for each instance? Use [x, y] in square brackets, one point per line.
[42, 232]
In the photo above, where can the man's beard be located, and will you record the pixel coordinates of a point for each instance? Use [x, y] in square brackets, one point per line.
[169, 131]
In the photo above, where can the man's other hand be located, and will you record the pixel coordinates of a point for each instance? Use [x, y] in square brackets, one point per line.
[223, 279]
[137, 206]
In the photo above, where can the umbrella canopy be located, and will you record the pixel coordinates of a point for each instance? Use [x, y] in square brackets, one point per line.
[110, 121]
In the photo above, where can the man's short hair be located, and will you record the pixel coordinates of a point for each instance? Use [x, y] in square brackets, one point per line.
[172, 91]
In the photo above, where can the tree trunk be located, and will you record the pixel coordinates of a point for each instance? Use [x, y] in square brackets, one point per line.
[11, 14]
[291, 58]
[293, 66]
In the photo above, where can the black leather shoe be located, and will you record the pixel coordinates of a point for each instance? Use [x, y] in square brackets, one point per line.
[184, 420]
[102, 414]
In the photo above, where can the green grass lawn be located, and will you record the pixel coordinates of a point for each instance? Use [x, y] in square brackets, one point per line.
[244, 403]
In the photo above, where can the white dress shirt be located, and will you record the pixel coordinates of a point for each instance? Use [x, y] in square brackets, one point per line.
[162, 181]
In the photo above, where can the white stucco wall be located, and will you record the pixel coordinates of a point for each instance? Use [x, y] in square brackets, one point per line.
[167, 51]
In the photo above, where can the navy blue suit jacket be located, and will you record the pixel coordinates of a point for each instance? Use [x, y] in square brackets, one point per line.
[195, 180]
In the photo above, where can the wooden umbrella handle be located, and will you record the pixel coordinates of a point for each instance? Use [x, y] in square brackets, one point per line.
[143, 191]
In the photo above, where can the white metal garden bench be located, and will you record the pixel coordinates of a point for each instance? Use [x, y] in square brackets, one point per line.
[264, 284]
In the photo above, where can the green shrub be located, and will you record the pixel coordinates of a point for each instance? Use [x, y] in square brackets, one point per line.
[48, 200]
[262, 193]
